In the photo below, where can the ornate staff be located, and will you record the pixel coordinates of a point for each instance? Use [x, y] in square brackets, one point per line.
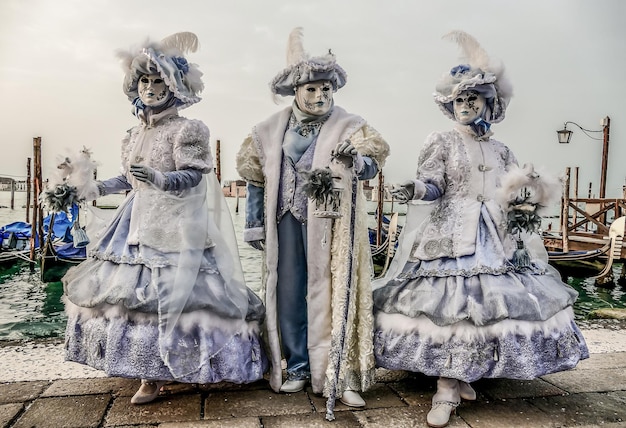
[325, 188]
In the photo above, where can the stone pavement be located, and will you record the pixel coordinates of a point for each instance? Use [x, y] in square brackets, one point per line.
[592, 395]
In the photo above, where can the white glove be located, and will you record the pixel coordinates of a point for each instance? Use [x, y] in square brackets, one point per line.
[349, 155]
[149, 175]
[409, 190]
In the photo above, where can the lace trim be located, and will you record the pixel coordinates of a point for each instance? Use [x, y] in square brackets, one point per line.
[154, 262]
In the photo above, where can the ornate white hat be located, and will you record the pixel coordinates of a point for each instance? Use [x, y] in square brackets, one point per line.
[167, 59]
[480, 74]
[301, 68]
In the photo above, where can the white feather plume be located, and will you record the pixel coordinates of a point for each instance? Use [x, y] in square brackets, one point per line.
[545, 188]
[295, 47]
[185, 42]
[472, 51]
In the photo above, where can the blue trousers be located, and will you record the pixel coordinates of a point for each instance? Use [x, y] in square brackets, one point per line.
[291, 295]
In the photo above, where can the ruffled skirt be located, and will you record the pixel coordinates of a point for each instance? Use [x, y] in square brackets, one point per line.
[477, 316]
[115, 303]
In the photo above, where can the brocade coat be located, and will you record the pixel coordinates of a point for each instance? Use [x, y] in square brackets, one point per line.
[259, 162]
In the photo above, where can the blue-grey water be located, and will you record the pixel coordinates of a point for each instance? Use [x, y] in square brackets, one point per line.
[33, 310]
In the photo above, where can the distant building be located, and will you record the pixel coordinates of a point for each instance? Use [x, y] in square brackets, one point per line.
[234, 188]
[6, 182]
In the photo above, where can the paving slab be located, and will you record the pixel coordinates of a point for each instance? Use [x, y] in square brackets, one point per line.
[603, 361]
[111, 385]
[416, 391]
[618, 395]
[175, 408]
[602, 380]
[400, 417]
[505, 413]
[8, 413]
[65, 412]
[260, 403]
[311, 420]
[21, 391]
[510, 388]
[379, 395]
[594, 409]
[229, 386]
[136, 426]
[251, 422]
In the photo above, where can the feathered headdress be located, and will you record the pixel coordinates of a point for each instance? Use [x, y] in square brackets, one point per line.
[479, 73]
[302, 68]
[166, 58]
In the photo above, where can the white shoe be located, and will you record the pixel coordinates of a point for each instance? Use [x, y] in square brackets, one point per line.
[352, 399]
[293, 385]
[147, 392]
[466, 391]
[439, 415]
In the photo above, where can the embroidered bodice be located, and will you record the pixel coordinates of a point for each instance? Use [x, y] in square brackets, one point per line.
[466, 171]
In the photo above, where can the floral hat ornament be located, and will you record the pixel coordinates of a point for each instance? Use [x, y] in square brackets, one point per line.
[167, 59]
[302, 68]
[478, 73]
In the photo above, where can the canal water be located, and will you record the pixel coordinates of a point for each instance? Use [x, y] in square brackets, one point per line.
[32, 310]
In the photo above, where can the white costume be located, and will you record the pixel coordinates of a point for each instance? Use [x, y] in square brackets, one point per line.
[162, 295]
[274, 174]
[455, 304]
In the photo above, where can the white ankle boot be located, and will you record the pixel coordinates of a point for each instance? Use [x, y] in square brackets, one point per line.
[352, 398]
[148, 391]
[291, 386]
[439, 414]
[466, 391]
[445, 402]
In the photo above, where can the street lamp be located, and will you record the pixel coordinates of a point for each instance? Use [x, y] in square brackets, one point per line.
[565, 135]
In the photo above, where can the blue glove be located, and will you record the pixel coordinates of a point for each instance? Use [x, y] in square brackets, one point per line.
[146, 174]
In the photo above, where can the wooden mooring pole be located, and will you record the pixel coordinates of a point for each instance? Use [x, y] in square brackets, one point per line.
[12, 194]
[565, 212]
[28, 181]
[37, 224]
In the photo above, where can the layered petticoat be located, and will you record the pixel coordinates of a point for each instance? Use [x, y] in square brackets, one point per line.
[477, 316]
[120, 319]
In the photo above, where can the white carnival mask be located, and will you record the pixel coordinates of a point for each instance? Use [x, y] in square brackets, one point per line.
[315, 98]
[152, 90]
[468, 106]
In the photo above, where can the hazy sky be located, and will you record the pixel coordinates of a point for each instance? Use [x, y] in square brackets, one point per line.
[60, 79]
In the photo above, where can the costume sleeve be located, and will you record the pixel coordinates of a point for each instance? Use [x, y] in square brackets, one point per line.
[191, 147]
[249, 163]
[184, 179]
[250, 169]
[113, 185]
[431, 166]
[255, 200]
